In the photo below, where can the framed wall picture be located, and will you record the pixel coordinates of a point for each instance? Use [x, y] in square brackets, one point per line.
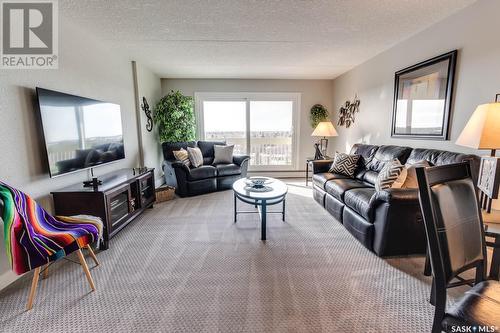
[422, 98]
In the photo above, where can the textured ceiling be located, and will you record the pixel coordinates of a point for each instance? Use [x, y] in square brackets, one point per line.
[255, 38]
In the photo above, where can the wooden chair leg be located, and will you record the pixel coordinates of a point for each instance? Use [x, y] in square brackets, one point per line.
[45, 273]
[34, 284]
[92, 254]
[85, 269]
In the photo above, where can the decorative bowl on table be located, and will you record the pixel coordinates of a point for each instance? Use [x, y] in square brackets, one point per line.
[257, 182]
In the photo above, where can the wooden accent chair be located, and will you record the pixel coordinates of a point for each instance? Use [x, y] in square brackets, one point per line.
[34, 239]
[455, 235]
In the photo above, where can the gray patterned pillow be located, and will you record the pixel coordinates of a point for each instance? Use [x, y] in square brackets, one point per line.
[389, 174]
[344, 164]
[223, 154]
[195, 156]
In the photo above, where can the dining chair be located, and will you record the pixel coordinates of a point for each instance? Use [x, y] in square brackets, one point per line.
[456, 242]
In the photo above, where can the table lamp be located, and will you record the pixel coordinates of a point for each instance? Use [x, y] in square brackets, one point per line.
[482, 132]
[324, 129]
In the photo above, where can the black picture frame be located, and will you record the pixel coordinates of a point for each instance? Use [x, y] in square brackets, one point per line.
[445, 63]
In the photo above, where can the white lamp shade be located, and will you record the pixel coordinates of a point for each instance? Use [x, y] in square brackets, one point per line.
[325, 128]
[483, 129]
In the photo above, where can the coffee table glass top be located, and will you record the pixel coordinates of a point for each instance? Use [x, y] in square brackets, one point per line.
[278, 189]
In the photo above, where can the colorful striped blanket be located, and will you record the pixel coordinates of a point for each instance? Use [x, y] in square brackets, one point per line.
[33, 237]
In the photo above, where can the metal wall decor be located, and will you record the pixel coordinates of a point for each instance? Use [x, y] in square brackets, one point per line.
[348, 111]
[147, 111]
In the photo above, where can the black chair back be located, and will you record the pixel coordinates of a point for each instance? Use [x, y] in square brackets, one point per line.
[452, 218]
[454, 227]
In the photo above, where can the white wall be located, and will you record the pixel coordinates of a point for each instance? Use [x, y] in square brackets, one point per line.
[87, 68]
[312, 92]
[149, 86]
[474, 31]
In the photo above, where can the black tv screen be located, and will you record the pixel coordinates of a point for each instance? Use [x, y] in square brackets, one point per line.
[79, 132]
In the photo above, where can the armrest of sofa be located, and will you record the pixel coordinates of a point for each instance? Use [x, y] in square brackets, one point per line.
[394, 195]
[321, 166]
[180, 166]
[240, 159]
[181, 174]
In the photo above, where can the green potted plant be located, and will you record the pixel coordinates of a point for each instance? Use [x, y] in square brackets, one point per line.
[174, 116]
[318, 114]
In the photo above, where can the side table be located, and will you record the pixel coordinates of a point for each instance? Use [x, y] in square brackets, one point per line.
[493, 230]
[309, 161]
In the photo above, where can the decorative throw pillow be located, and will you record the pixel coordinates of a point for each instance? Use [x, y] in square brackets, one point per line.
[398, 183]
[388, 175]
[344, 164]
[182, 156]
[411, 179]
[223, 154]
[195, 156]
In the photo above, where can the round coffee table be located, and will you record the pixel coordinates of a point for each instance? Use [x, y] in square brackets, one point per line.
[274, 193]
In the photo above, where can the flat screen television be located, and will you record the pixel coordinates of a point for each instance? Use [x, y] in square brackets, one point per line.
[79, 132]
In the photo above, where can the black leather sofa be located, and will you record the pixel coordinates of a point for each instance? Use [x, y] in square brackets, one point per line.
[208, 177]
[388, 222]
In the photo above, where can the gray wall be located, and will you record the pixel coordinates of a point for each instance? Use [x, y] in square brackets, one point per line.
[149, 86]
[86, 68]
[473, 31]
[313, 91]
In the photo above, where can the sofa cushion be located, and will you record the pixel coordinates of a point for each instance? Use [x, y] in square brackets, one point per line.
[391, 174]
[386, 154]
[358, 200]
[227, 169]
[207, 147]
[366, 154]
[182, 156]
[202, 172]
[411, 177]
[195, 156]
[320, 179]
[344, 164]
[169, 147]
[338, 187]
[441, 157]
[223, 154]
[370, 177]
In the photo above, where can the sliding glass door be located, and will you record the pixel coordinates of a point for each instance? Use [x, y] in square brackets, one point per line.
[226, 121]
[262, 125]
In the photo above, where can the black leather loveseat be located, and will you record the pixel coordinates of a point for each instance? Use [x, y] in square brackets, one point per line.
[208, 177]
[387, 222]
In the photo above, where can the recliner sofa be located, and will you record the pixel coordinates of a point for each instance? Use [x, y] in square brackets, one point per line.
[387, 222]
[208, 177]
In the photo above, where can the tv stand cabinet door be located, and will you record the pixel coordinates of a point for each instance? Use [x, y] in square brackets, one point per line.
[146, 188]
[119, 206]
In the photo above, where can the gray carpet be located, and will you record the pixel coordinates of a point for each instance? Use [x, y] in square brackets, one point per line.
[185, 267]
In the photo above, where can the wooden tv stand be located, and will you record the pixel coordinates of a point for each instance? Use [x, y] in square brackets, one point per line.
[123, 195]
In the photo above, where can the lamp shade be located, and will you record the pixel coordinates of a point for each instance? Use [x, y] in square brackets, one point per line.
[324, 128]
[483, 129]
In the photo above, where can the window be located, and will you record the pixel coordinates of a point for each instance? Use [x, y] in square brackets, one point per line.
[262, 125]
